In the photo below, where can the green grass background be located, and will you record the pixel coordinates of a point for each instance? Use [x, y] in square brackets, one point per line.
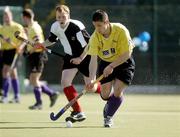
[139, 116]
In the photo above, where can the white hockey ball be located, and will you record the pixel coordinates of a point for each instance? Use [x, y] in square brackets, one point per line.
[69, 124]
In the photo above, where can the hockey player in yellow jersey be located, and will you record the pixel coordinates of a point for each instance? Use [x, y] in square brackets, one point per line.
[111, 42]
[9, 47]
[36, 59]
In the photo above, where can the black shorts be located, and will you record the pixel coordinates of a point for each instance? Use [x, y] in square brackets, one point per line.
[83, 67]
[1, 59]
[8, 56]
[123, 72]
[1, 65]
[37, 61]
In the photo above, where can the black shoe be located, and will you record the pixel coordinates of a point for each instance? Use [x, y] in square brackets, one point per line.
[76, 117]
[36, 106]
[53, 99]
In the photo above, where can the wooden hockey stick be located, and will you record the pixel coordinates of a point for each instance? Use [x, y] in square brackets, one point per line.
[16, 34]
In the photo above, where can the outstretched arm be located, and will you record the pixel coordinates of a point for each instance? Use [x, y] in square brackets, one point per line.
[120, 60]
[48, 42]
[79, 59]
[92, 72]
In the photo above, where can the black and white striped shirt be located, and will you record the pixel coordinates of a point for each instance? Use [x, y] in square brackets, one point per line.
[73, 37]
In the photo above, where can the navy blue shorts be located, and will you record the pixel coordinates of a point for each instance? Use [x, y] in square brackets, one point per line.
[123, 72]
[8, 56]
[36, 61]
[83, 67]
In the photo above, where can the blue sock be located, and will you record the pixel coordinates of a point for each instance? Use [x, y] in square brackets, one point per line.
[47, 90]
[5, 86]
[37, 93]
[113, 104]
[15, 85]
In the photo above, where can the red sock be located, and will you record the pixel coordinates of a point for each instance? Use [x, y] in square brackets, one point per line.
[98, 90]
[71, 93]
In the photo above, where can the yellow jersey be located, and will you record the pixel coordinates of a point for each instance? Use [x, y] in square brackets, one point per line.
[34, 33]
[1, 38]
[109, 49]
[7, 31]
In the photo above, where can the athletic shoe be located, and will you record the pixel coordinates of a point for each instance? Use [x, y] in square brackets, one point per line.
[76, 117]
[15, 100]
[4, 100]
[108, 122]
[36, 106]
[53, 99]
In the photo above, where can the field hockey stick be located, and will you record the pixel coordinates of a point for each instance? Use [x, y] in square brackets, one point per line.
[15, 59]
[54, 116]
[16, 55]
[16, 34]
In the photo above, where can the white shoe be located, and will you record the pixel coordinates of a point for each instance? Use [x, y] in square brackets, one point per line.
[4, 100]
[108, 121]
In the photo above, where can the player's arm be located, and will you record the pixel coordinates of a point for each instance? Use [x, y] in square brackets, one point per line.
[126, 49]
[52, 39]
[93, 67]
[121, 59]
[21, 44]
[125, 52]
[92, 72]
[79, 59]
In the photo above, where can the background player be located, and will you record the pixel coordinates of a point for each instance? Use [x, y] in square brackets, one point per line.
[36, 58]
[10, 45]
[1, 63]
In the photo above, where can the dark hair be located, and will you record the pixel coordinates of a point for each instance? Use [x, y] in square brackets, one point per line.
[100, 15]
[28, 13]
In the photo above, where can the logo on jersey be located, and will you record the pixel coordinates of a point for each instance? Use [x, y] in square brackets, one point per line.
[109, 53]
[105, 52]
[112, 50]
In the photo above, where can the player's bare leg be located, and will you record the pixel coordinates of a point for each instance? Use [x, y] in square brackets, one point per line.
[70, 92]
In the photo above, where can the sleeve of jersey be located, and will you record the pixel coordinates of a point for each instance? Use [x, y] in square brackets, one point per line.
[22, 33]
[52, 37]
[93, 45]
[37, 34]
[125, 42]
[81, 38]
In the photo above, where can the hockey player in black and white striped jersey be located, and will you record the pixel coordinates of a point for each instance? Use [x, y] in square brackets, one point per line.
[74, 39]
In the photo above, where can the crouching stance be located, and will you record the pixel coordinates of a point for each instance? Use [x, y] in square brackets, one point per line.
[112, 43]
